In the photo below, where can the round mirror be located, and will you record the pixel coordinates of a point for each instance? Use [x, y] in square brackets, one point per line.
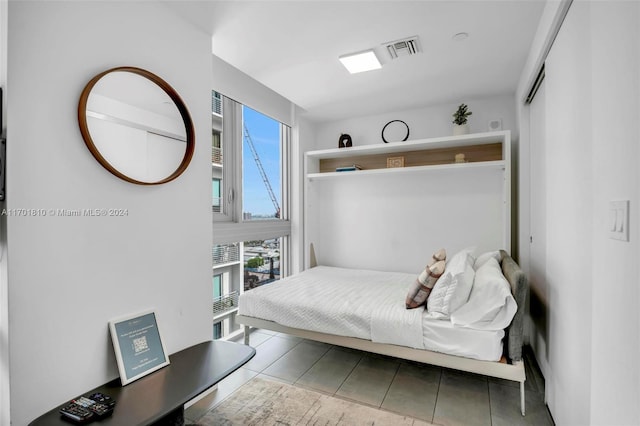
[136, 126]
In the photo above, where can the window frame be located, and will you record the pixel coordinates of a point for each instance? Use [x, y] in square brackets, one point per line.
[231, 130]
[229, 226]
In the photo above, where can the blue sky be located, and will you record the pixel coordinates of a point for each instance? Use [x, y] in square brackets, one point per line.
[265, 134]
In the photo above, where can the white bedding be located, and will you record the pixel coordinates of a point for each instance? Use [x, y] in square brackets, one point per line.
[367, 305]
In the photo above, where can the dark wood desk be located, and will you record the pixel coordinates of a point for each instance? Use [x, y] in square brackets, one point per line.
[160, 397]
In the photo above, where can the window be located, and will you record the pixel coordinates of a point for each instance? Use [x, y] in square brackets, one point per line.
[250, 158]
[217, 330]
[261, 262]
[217, 286]
[249, 165]
[216, 195]
[225, 292]
[261, 168]
[216, 151]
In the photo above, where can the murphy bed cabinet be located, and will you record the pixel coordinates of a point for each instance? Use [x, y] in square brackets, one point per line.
[388, 218]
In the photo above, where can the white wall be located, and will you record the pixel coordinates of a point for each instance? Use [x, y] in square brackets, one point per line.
[303, 140]
[569, 221]
[591, 153]
[68, 276]
[550, 20]
[428, 122]
[615, 86]
[394, 222]
[536, 335]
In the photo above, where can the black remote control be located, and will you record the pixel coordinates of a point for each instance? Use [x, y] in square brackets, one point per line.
[76, 413]
[103, 406]
[86, 409]
[103, 399]
[99, 404]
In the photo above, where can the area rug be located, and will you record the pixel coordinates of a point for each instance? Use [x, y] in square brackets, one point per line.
[266, 402]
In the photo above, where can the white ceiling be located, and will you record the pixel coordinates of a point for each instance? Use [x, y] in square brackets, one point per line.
[292, 47]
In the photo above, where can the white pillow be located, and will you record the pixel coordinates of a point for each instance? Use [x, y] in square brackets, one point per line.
[491, 305]
[452, 289]
[482, 259]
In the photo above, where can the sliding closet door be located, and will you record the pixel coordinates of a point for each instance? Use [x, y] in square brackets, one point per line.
[539, 300]
[570, 227]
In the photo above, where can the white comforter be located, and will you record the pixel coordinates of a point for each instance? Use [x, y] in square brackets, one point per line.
[367, 305]
[358, 303]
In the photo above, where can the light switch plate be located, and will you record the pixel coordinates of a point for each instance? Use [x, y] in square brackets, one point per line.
[618, 224]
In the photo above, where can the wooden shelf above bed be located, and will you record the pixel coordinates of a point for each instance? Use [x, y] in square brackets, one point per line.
[409, 169]
[480, 150]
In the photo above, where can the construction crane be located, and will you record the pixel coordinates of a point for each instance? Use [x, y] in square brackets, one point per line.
[265, 179]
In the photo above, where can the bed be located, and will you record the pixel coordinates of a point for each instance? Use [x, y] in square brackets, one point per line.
[362, 309]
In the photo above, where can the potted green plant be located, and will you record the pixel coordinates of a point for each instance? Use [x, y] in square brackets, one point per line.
[460, 126]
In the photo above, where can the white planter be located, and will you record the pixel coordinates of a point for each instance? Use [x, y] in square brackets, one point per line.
[460, 129]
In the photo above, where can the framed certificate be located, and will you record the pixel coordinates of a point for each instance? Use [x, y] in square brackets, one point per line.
[138, 346]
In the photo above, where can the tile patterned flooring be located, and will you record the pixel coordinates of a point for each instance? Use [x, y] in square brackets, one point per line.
[437, 395]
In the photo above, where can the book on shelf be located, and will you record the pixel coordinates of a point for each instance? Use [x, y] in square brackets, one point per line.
[350, 168]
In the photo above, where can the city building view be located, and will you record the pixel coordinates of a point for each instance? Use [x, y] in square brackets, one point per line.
[261, 263]
[243, 265]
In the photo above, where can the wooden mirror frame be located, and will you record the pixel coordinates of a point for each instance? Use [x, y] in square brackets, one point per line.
[182, 108]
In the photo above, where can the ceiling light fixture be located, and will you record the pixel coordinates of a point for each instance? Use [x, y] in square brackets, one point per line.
[360, 61]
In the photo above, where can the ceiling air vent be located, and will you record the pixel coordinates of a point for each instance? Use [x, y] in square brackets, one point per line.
[404, 47]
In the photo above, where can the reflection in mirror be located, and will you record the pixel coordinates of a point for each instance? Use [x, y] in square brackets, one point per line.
[136, 126]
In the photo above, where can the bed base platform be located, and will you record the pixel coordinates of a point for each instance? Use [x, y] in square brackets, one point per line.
[502, 370]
